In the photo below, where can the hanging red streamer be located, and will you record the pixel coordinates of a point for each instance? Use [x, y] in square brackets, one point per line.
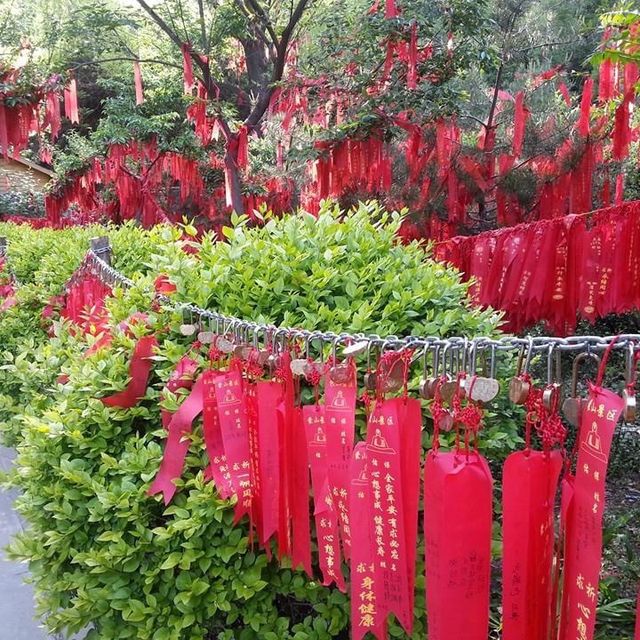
[137, 78]
[457, 524]
[139, 370]
[71, 101]
[187, 67]
[583, 547]
[530, 482]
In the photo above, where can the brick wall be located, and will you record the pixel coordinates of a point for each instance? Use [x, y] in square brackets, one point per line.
[15, 176]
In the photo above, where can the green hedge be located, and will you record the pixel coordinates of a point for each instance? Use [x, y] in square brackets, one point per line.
[101, 552]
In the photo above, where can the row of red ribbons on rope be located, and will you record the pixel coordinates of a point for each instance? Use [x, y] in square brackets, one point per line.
[558, 271]
[270, 453]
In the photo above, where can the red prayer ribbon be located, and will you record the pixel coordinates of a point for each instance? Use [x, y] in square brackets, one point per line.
[232, 418]
[367, 614]
[340, 416]
[530, 482]
[583, 549]
[326, 517]
[268, 397]
[139, 370]
[177, 444]
[457, 524]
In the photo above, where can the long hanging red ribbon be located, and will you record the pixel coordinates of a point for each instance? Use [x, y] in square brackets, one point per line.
[519, 123]
[325, 514]
[367, 614]
[385, 471]
[269, 395]
[300, 487]
[232, 418]
[71, 101]
[177, 444]
[457, 523]
[137, 78]
[583, 549]
[218, 469]
[340, 416]
[530, 481]
[139, 370]
[585, 108]
[187, 67]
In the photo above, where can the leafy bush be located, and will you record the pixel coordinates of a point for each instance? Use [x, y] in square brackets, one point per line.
[104, 554]
[43, 260]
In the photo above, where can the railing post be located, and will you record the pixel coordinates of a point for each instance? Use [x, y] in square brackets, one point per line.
[101, 247]
[3, 246]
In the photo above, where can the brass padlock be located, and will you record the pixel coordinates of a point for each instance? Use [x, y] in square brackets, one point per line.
[573, 405]
[629, 411]
[552, 394]
[520, 385]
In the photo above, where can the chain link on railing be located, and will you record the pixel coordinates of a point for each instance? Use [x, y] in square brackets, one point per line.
[223, 324]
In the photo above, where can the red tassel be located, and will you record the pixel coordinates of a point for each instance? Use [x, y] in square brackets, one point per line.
[412, 68]
[564, 92]
[585, 108]
[71, 101]
[187, 67]
[137, 77]
[605, 81]
[519, 122]
[391, 10]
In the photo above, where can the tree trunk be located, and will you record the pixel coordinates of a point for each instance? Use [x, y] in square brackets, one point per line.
[258, 63]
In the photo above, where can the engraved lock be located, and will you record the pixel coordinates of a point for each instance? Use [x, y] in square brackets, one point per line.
[446, 421]
[552, 392]
[371, 380]
[341, 373]
[355, 349]
[206, 337]
[484, 388]
[225, 345]
[573, 405]
[428, 383]
[629, 411]
[298, 367]
[394, 379]
[519, 387]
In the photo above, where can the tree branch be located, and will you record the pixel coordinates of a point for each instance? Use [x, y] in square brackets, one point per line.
[282, 49]
[203, 27]
[164, 63]
[264, 18]
[161, 23]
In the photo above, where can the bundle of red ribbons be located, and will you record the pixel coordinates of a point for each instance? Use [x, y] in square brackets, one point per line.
[269, 454]
[556, 271]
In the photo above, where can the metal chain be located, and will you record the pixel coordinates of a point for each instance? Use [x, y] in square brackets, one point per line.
[530, 345]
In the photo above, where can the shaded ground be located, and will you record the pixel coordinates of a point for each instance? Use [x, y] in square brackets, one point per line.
[16, 597]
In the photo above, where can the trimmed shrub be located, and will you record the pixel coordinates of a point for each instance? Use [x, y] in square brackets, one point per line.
[102, 553]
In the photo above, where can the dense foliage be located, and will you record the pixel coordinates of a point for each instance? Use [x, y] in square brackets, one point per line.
[102, 553]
